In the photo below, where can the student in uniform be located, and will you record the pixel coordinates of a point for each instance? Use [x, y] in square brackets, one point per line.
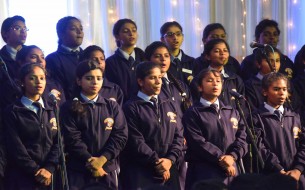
[217, 53]
[31, 134]
[266, 32]
[120, 67]
[215, 134]
[95, 131]
[62, 63]
[155, 134]
[215, 31]
[33, 54]
[109, 89]
[181, 64]
[280, 135]
[14, 34]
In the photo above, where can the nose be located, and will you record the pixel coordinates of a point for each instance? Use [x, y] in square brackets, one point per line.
[158, 81]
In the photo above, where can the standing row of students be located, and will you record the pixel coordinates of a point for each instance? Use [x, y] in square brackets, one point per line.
[145, 139]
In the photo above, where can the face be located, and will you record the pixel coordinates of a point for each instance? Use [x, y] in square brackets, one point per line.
[99, 57]
[275, 62]
[73, 36]
[216, 34]
[128, 35]
[269, 36]
[219, 55]
[173, 38]
[210, 87]
[34, 84]
[161, 56]
[36, 56]
[151, 84]
[276, 93]
[16, 36]
[91, 83]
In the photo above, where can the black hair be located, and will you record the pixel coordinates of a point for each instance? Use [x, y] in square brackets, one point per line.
[23, 53]
[263, 24]
[144, 69]
[151, 48]
[298, 61]
[118, 25]
[260, 54]
[272, 77]
[82, 68]
[8, 23]
[246, 181]
[278, 181]
[166, 25]
[87, 52]
[62, 26]
[208, 47]
[209, 28]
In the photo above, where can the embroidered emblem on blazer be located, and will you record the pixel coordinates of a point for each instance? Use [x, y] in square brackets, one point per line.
[296, 131]
[54, 124]
[109, 123]
[172, 117]
[234, 122]
[113, 99]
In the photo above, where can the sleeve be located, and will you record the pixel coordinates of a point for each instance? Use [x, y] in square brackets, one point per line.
[251, 95]
[2, 149]
[271, 161]
[195, 138]
[118, 137]
[136, 142]
[175, 150]
[120, 95]
[72, 135]
[239, 147]
[17, 150]
[53, 156]
[299, 158]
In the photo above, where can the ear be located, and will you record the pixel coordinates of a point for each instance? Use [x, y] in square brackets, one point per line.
[199, 88]
[162, 39]
[257, 65]
[264, 93]
[140, 82]
[207, 57]
[78, 82]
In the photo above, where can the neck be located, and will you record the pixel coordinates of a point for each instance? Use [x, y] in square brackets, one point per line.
[175, 52]
[128, 49]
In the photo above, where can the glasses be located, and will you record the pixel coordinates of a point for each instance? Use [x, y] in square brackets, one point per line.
[172, 34]
[19, 28]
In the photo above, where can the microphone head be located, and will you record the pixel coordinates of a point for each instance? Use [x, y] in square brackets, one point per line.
[253, 44]
[53, 97]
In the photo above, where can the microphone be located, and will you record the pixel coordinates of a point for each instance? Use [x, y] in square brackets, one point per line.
[53, 97]
[258, 45]
[236, 95]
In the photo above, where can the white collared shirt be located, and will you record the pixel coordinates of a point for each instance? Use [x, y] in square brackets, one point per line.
[87, 100]
[70, 49]
[126, 55]
[179, 56]
[28, 103]
[272, 109]
[12, 51]
[259, 76]
[145, 97]
[208, 103]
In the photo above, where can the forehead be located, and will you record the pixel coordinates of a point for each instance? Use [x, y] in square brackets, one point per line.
[37, 71]
[270, 29]
[272, 55]
[160, 50]
[217, 31]
[213, 75]
[36, 51]
[18, 23]
[74, 22]
[128, 25]
[220, 46]
[95, 72]
[173, 28]
[155, 71]
[97, 53]
[280, 83]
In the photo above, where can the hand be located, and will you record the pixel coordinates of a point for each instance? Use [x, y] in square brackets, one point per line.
[163, 164]
[94, 163]
[99, 173]
[226, 161]
[282, 172]
[43, 176]
[231, 171]
[166, 175]
[295, 173]
[56, 93]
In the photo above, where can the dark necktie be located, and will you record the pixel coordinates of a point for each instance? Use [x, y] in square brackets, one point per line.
[75, 52]
[278, 114]
[39, 110]
[131, 60]
[215, 107]
[176, 61]
[155, 102]
[166, 85]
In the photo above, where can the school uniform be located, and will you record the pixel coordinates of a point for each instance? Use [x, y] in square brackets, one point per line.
[248, 67]
[182, 67]
[211, 135]
[2, 153]
[299, 84]
[102, 130]
[121, 71]
[61, 65]
[280, 140]
[112, 91]
[152, 135]
[32, 143]
[201, 63]
[12, 66]
[231, 82]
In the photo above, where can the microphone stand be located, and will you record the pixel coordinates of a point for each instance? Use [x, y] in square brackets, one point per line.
[249, 133]
[62, 161]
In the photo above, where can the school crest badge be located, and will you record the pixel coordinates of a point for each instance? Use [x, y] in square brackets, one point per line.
[234, 122]
[112, 99]
[53, 123]
[190, 78]
[289, 73]
[109, 123]
[172, 117]
[296, 131]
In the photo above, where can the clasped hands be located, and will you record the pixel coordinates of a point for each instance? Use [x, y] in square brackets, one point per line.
[162, 167]
[95, 164]
[227, 163]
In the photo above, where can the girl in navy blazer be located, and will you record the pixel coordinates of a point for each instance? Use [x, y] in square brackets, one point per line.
[280, 136]
[154, 135]
[214, 132]
[31, 134]
[95, 131]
